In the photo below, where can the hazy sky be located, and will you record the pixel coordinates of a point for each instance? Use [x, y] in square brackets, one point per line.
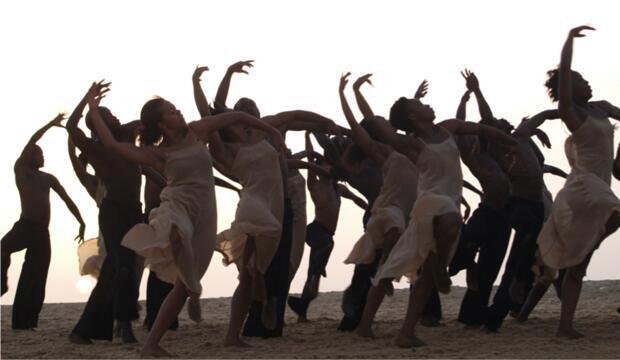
[52, 51]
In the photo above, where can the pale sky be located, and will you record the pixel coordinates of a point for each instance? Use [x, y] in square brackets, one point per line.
[52, 51]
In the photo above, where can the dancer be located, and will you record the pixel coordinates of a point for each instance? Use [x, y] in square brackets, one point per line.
[326, 193]
[178, 241]
[487, 231]
[116, 293]
[254, 237]
[524, 209]
[390, 211]
[429, 240]
[31, 232]
[569, 238]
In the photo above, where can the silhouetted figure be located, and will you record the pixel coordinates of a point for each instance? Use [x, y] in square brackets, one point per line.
[31, 233]
[568, 239]
[116, 293]
[325, 192]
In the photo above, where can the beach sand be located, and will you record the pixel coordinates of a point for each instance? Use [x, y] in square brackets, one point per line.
[596, 317]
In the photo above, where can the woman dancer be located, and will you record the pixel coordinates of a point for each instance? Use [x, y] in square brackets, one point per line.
[389, 214]
[254, 237]
[429, 240]
[586, 210]
[179, 240]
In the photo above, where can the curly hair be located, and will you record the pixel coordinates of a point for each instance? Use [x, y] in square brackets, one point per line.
[553, 83]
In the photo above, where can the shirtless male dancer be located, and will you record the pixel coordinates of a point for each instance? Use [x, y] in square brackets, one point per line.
[116, 293]
[325, 193]
[30, 232]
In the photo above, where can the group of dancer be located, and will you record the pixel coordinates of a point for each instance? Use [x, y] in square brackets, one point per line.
[407, 169]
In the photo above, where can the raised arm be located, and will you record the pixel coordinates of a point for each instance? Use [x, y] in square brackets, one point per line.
[528, 126]
[461, 111]
[225, 184]
[550, 169]
[361, 138]
[78, 137]
[348, 194]
[141, 155]
[205, 126]
[222, 90]
[199, 96]
[459, 127]
[87, 180]
[37, 136]
[55, 185]
[471, 81]
[302, 120]
[362, 104]
[566, 105]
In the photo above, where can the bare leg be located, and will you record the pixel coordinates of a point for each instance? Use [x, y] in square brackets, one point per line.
[571, 286]
[241, 300]
[170, 309]
[418, 296]
[445, 230]
[373, 302]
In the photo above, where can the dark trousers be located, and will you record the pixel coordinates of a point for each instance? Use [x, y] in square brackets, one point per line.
[433, 305]
[354, 297]
[488, 232]
[30, 291]
[526, 218]
[116, 294]
[156, 292]
[321, 243]
[276, 281]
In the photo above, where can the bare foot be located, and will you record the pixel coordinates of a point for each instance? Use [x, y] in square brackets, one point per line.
[155, 351]
[408, 341]
[78, 339]
[365, 332]
[238, 343]
[193, 308]
[569, 333]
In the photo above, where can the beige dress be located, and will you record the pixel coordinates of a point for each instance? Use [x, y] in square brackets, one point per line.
[260, 208]
[391, 208]
[187, 203]
[440, 185]
[585, 203]
[296, 187]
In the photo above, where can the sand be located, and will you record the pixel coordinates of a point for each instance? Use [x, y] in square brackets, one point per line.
[596, 317]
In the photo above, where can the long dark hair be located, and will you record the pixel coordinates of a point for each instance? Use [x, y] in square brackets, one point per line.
[150, 116]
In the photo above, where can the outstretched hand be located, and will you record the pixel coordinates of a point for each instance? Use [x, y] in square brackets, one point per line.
[80, 236]
[576, 32]
[97, 92]
[344, 80]
[198, 72]
[238, 67]
[471, 81]
[422, 90]
[361, 80]
[57, 121]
